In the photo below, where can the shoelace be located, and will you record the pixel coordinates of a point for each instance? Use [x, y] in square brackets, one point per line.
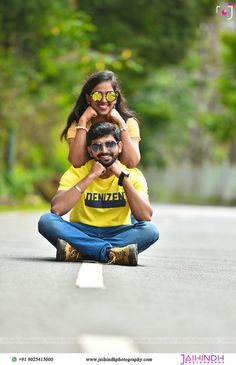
[74, 254]
[117, 256]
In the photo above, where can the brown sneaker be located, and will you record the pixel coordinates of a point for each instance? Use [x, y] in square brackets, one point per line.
[65, 252]
[127, 255]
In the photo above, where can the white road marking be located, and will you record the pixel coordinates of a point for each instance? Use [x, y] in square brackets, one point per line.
[90, 276]
[106, 344]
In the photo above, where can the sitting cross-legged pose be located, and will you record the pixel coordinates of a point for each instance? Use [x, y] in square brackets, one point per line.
[101, 195]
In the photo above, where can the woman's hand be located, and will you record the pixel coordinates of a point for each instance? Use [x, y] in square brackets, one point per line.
[116, 118]
[87, 115]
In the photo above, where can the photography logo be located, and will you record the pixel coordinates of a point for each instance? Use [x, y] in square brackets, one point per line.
[226, 10]
[195, 359]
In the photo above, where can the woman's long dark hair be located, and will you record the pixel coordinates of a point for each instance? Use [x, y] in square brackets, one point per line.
[81, 103]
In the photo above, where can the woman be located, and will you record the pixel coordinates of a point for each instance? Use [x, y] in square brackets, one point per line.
[101, 100]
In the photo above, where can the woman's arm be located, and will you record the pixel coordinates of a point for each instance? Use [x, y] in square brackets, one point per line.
[130, 155]
[78, 154]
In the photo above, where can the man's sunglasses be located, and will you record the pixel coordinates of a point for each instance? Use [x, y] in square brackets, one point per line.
[98, 146]
[110, 96]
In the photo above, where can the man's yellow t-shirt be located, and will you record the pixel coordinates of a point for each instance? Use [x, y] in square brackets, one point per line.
[104, 202]
[132, 124]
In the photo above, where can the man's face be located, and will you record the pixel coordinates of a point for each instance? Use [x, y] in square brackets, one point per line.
[105, 150]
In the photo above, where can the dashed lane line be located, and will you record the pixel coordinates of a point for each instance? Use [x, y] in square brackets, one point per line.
[91, 343]
[90, 276]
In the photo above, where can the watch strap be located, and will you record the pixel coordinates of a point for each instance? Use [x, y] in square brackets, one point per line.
[121, 177]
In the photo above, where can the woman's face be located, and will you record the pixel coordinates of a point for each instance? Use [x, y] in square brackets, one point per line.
[105, 91]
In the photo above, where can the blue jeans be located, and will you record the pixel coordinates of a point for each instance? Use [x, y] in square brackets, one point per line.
[96, 241]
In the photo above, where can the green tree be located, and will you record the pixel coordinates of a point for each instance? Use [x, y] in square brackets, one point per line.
[45, 55]
[220, 119]
[156, 32]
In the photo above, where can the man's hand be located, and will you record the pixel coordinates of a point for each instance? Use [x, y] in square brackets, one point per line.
[88, 114]
[115, 168]
[97, 169]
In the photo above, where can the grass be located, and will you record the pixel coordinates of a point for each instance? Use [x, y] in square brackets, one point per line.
[24, 206]
[30, 202]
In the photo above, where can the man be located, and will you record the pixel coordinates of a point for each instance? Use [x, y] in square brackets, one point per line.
[101, 196]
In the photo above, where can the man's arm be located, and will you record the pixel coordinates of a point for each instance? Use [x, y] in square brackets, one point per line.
[64, 201]
[140, 207]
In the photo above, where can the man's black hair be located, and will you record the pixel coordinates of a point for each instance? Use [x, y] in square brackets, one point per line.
[98, 130]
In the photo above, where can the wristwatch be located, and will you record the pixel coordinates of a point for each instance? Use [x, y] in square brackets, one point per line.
[121, 177]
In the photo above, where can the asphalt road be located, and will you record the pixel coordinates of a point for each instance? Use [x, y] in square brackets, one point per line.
[181, 297]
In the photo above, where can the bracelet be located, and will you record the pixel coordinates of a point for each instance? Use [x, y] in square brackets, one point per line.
[124, 129]
[78, 188]
[80, 127]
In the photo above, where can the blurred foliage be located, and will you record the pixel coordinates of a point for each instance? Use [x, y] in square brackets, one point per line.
[156, 32]
[220, 120]
[45, 55]
[159, 50]
[166, 107]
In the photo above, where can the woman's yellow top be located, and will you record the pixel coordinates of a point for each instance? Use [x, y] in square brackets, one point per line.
[132, 124]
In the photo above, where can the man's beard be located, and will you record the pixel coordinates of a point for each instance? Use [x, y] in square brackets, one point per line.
[107, 163]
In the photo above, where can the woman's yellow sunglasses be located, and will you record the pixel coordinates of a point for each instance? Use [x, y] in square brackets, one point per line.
[110, 96]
